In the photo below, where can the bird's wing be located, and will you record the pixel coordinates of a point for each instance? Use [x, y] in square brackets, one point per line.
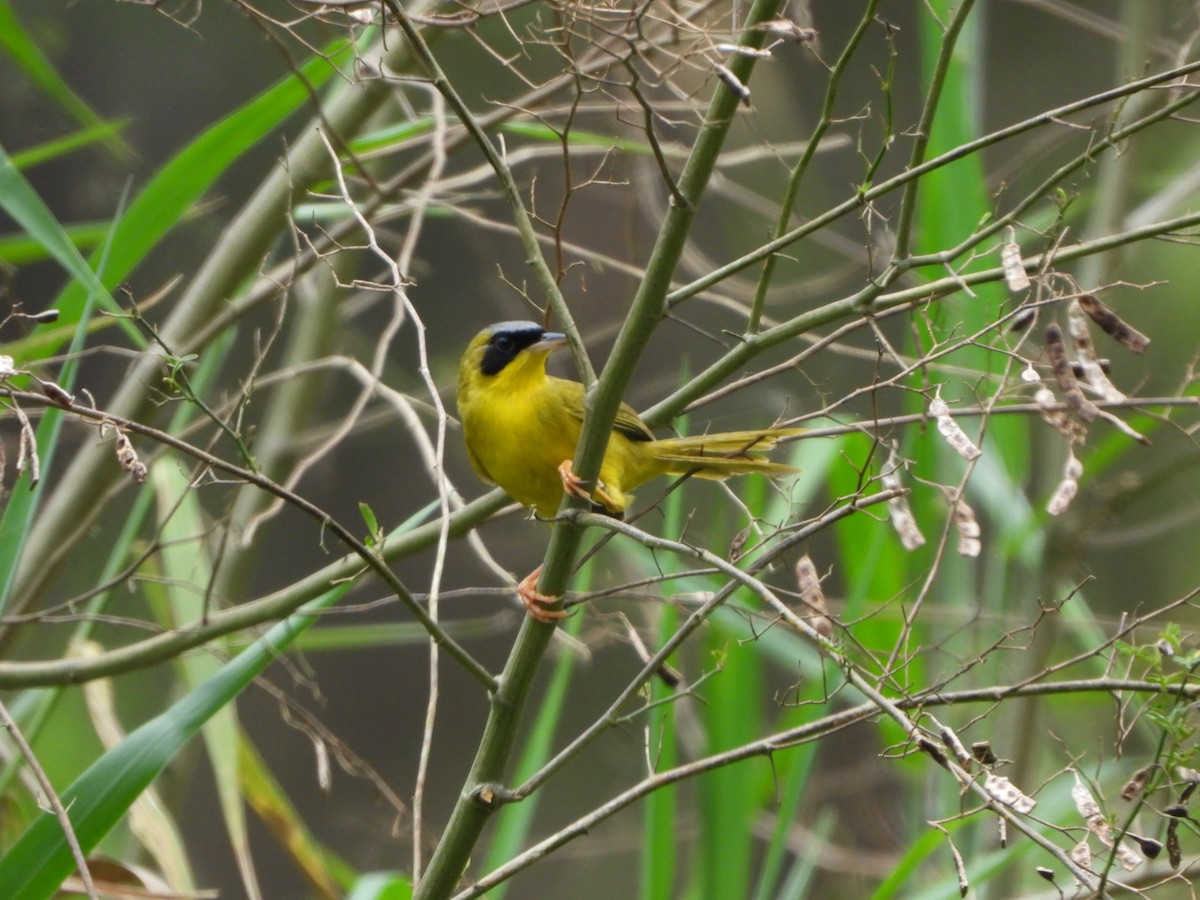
[628, 423]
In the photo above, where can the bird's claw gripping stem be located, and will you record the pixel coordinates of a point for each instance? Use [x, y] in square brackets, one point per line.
[536, 602]
[576, 487]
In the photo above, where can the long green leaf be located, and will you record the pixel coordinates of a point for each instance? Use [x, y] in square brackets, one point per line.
[21, 250]
[15, 41]
[184, 180]
[21, 201]
[37, 864]
[27, 159]
[17, 515]
[188, 567]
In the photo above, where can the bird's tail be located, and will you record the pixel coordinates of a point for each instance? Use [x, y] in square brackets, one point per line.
[720, 455]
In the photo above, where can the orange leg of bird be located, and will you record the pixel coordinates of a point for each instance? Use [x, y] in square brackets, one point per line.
[536, 602]
[575, 486]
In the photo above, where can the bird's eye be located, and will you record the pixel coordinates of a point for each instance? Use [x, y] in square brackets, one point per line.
[503, 343]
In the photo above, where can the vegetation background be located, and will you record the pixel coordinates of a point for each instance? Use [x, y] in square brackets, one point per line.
[268, 230]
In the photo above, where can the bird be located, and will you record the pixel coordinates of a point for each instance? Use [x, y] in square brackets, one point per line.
[521, 426]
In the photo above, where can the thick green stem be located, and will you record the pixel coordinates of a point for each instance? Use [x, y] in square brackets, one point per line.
[474, 807]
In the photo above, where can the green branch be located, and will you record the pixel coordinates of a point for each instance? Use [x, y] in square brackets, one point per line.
[476, 804]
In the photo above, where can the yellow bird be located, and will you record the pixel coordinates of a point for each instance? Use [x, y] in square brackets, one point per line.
[521, 426]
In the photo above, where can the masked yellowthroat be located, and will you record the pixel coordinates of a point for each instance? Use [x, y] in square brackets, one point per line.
[521, 426]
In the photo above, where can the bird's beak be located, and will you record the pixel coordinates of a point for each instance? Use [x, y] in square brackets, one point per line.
[550, 342]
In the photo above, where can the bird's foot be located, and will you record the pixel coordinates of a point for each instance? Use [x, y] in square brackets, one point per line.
[599, 496]
[536, 602]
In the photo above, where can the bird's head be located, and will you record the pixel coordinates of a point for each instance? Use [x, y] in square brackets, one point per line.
[508, 352]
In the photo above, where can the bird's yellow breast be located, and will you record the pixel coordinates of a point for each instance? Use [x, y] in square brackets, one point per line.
[518, 431]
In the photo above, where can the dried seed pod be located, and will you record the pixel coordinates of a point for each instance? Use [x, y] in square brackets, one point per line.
[899, 511]
[1113, 325]
[1076, 432]
[738, 545]
[1150, 847]
[128, 458]
[960, 869]
[1014, 267]
[1022, 319]
[1085, 353]
[741, 50]
[1081, 854]
[1187, 792]
[1081, 371]
[1126, 855]
[1004, 791]
[733, 83]
[1056, 350]
[1098, 825]
[1174, 851]
[1136, 783]
[808, 586]
[27, 455]
[1067, 488]
[786, 28]
[1085, 803]
[952, 740]
[57, 393]
[950, 430]
[968, 530]
[932, 750]
[982, 751]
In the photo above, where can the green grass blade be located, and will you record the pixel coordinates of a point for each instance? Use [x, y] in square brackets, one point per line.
[188, 570]
[185, 179]
[660, 853]
[15, 41]
[37, 864]
[796, 772]
[21, 201]
[21, 250]
[27, 159]
[805, 868]
[381, 886]
[327, 873]
[17, 516]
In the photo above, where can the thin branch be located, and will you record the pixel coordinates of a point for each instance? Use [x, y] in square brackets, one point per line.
[60, 812]
[221, 623]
